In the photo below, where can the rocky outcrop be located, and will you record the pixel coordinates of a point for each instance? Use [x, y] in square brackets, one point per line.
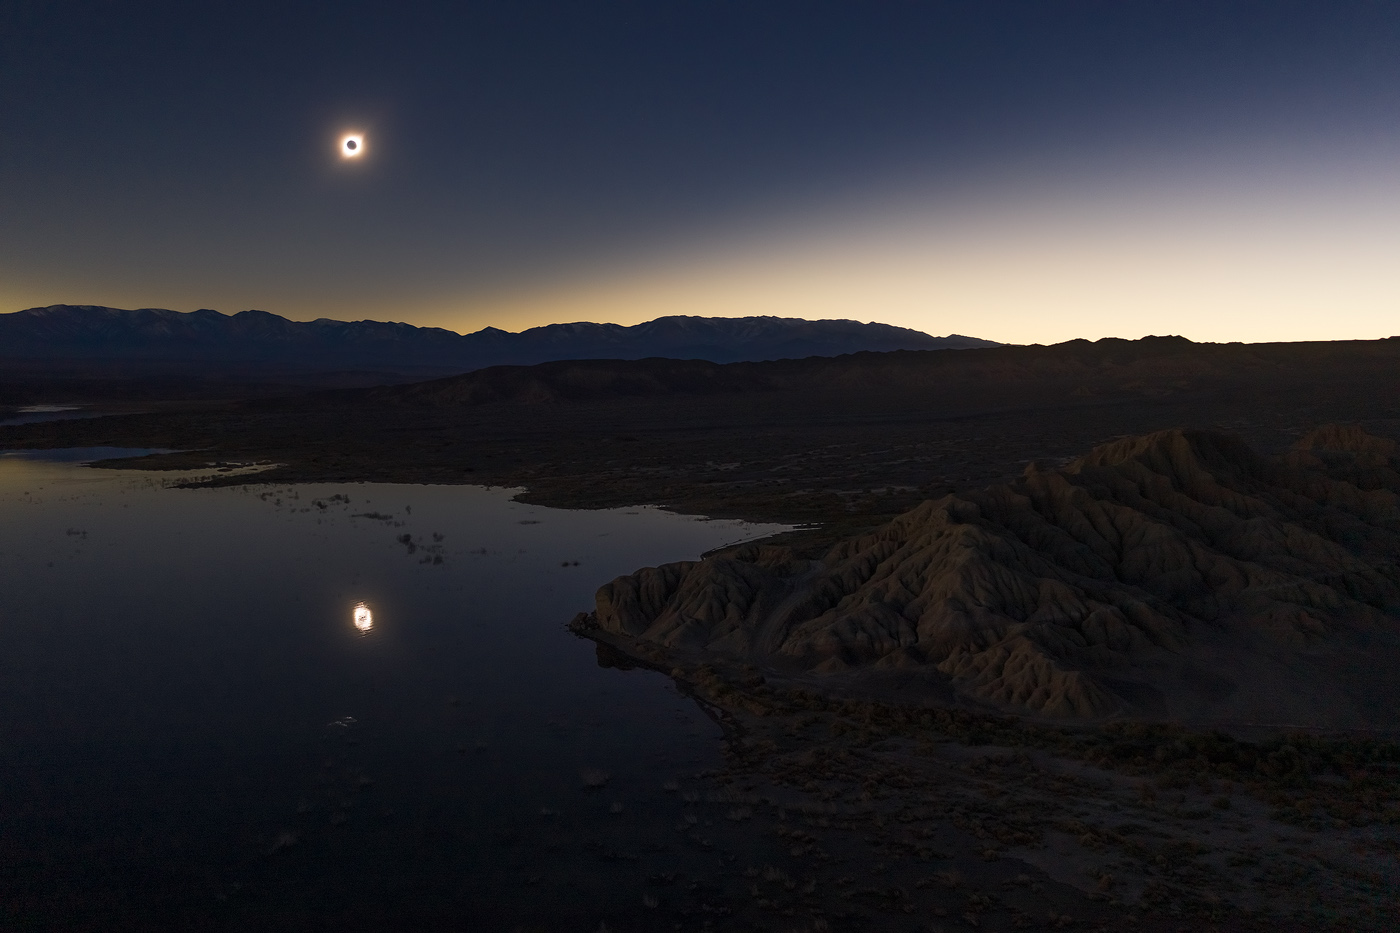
[1175, 574]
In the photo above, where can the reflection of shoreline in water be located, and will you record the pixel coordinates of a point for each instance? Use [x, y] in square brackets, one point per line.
[80, 455]
[245, 650]
[544, 778]
[35, 414]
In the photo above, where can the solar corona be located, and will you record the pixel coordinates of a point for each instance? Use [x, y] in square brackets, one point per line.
[352, 146]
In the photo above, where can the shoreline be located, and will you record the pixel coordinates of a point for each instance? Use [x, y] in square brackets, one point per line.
[1033, 823]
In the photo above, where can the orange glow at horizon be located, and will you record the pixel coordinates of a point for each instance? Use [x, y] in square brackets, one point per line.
[1232, 260]
[1253, 270]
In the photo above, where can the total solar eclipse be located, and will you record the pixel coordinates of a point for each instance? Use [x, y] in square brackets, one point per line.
[352, 147]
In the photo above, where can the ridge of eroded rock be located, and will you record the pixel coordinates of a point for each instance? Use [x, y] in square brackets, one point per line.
[1174, 574]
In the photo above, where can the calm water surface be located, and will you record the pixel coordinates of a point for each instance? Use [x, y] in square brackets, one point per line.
[196, 735]
[33, 414]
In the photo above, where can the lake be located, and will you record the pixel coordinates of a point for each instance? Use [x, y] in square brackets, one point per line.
[196, 733]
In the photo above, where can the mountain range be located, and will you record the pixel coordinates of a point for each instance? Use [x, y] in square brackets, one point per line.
[154, 335]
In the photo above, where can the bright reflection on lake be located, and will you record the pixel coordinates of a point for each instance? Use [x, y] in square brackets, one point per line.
[362, 618]
[192, 738]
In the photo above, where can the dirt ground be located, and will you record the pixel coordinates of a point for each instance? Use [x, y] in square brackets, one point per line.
[886, 817]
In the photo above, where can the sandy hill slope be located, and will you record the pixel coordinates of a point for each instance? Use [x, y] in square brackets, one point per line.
[1177, 574]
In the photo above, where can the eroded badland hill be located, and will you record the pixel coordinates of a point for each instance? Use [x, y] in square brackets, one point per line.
[1177, 575]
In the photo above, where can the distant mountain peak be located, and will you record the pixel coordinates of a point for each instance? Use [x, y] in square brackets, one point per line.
[256, 336]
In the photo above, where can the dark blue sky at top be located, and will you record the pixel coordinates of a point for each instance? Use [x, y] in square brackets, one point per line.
[188, 145]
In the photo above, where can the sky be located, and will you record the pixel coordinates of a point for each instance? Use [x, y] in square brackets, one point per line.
[1019, 171]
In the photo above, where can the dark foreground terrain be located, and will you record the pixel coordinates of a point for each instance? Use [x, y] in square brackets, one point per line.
[1108, 800]
[846, 441]
[897, 817]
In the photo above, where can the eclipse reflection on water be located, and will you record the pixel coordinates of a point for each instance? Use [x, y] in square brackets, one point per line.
[364, 620]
